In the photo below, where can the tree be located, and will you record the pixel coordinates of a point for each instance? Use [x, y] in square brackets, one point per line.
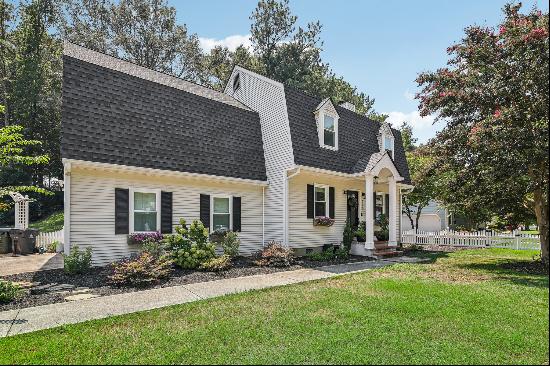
[409, 141]
[6, 55]
[144, 32]
[12, 153]
[493, 152]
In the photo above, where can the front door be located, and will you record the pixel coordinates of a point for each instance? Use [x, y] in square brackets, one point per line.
[353, 208]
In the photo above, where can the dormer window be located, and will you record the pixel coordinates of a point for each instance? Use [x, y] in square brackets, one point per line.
[388, 144]
[329, 131]
[236, 82]
[327, 125]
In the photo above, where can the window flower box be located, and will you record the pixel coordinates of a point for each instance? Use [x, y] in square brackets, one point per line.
[323, 221]
[139, 238]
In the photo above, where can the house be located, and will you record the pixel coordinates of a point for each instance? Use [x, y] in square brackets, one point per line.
[142, 149]
[433, 217]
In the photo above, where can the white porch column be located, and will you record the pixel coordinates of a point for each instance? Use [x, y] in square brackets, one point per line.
[369, 211]
[392, 227]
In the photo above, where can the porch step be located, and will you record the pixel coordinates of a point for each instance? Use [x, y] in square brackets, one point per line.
[387, 253]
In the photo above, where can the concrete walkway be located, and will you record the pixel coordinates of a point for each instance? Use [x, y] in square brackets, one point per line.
[48, 316]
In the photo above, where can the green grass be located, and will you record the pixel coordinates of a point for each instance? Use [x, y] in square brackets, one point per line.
[54, 222]
[471, 307]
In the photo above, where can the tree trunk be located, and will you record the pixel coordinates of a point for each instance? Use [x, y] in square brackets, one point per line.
[541, 211]
[418, 213]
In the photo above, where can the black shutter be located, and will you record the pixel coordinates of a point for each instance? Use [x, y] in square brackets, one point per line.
[166, 212]
[331, 202]
[205, 210]
[122, 211]
[387, 211]
[237, 214]
[310, 201]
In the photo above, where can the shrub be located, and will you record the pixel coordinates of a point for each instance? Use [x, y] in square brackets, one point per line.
[382, 235]
[8, 291]
[77, 261]
[218, 264]
[140, 238]
[189, 248]
[347, 236]
[329, 255]
[153, 247]
[275, 255]
[52, 247]
[361, 232]
[218, 236]
[231, 243]
[143, 270]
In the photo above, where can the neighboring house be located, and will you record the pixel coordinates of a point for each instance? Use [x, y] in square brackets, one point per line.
[433, 217]
[142, 149]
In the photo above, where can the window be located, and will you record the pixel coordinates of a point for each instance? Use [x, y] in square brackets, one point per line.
[221, 213]
[380, 202]
[329, 131]
[321, 201]
[388, 144]
[145, 211]
[236, 82]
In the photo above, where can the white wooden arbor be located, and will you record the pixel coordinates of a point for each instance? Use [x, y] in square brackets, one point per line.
[21, 210]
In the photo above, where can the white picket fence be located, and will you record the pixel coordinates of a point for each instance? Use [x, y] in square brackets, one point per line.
[479, 239]
[45, 239]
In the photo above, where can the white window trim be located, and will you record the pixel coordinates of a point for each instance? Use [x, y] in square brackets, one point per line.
[131, 207]
[327, 203]
[392, 139]
[321, 130]
[212, 211]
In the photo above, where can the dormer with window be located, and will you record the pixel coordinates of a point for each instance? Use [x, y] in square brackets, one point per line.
[386, 140]
[327, 124]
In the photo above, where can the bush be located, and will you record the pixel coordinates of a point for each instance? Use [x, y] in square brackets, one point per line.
[153, 247]
[275, 255]
[143, 270]
[329, 255]
[382, 235]
[361, 232]
[347, 236]
[78, 261]
[218, 264]
[52, 247]
[217, 236]
[8, 291]
[231, 243]
[189, 248]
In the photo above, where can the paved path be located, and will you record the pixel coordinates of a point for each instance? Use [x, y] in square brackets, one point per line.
[48, 316]
[10, 265]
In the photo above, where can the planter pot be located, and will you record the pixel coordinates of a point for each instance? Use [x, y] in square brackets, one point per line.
[323, 221]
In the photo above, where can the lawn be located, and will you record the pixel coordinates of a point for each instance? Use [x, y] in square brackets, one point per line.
[475, 307]
[54, 222]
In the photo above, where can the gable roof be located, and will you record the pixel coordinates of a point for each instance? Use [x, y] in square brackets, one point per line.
[357, 138]
[145, 120]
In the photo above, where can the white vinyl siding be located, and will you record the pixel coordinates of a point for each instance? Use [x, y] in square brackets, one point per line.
[92, 207]
[268, 98]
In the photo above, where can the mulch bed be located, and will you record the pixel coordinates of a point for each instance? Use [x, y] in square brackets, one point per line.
[55, 285]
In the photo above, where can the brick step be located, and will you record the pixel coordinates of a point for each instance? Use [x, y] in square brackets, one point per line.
[387, 253]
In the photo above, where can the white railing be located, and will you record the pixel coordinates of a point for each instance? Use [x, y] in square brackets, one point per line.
[45, 239]
[479, 239]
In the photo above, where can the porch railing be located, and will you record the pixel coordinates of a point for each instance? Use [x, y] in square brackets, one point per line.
[478, 239]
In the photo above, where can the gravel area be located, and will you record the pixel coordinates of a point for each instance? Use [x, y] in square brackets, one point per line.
[51, 286]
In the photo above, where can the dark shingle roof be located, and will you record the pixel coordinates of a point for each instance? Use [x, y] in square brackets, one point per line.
[357, 138]
[112, 117]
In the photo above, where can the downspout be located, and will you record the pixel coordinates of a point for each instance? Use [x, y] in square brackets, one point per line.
[286, 209]
[263, 216]
[67, 208]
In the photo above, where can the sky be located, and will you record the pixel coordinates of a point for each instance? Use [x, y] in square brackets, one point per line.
[379, 46]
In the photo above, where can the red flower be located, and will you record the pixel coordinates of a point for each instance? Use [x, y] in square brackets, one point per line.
[497, 113]
[502, 29]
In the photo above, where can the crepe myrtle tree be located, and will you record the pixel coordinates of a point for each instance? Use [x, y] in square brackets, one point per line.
[493, 96]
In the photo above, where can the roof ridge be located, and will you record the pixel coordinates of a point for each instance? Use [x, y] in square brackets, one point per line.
[114, 63]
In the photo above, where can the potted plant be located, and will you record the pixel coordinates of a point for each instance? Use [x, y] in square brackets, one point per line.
[360, 234]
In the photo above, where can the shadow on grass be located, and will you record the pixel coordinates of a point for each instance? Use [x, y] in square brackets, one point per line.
[518, 272]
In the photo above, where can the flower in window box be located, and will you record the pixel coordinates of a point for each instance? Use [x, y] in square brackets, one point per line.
[139, 238]
[323, 221]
